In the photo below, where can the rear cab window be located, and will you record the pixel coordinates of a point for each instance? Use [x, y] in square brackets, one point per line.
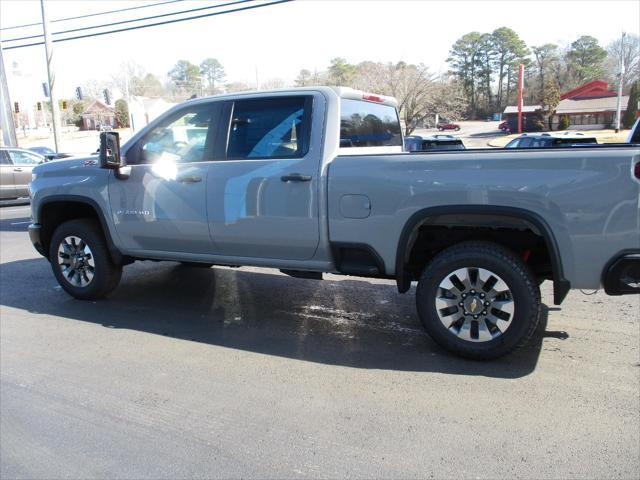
[369, 127]
[276, 127]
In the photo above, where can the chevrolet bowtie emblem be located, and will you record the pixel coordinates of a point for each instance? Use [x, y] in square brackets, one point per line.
[474, 305]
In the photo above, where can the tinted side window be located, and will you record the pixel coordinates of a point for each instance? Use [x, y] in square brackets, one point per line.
[278, 127]
[185, 136]
[4, 158]
[23, 158]
[367, 124]
[524, 143]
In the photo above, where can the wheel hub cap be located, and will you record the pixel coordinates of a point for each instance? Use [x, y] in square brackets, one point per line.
[75, 261]
[474, 304]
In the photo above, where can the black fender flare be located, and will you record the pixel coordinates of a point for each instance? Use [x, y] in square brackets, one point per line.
[561, 285]
[116, 254]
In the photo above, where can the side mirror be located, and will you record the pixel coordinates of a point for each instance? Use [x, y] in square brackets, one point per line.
[109, 156]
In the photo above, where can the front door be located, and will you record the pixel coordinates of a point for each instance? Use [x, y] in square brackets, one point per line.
[162, 205]
[262, 197]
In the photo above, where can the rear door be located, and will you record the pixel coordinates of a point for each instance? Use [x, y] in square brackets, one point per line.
[23, 163]
[262, 198]
[7, 185]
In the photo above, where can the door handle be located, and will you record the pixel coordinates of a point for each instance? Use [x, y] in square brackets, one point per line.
[189, 179]
[295, 177]
[17, 169]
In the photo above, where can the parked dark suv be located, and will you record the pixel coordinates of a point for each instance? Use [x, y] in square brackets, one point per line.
[416, 143]
[546, 140]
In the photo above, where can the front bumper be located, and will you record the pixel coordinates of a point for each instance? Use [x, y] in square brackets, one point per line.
[35, 231]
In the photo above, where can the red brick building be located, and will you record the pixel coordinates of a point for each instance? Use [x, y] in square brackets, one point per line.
[96, 114]
[589, 106]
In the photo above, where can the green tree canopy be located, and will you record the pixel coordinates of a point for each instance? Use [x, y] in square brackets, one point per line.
[546, 58]
[185, 76]
[122, 112]
[631, 112]
[341, 72]
[464, 59]
[585, 59]
[212, 72]
[508, 48]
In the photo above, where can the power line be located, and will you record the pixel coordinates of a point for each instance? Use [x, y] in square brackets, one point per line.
[132, 20]
[92, 14]
[137, 27]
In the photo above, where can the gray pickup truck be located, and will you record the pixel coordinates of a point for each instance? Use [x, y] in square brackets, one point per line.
[315, 180]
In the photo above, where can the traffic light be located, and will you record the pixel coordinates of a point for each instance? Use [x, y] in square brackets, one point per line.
[39, 106]
[64, 104]
[79, 93]
[107, 98]
[16, 107]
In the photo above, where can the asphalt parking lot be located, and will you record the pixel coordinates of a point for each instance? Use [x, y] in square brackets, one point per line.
[189, 372]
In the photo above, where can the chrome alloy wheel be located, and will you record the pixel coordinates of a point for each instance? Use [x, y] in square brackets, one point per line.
[474, 304]
[75, 261]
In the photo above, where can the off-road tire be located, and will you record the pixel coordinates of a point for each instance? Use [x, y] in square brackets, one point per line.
[106, 275]
[515, 273]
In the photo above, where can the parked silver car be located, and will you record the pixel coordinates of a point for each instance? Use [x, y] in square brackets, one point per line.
[15, 171]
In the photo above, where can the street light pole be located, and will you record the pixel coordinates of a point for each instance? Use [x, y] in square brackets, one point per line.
[6, 116]
[620, 82]
[55, 108]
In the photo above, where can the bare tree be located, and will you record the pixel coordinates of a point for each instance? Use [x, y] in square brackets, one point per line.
[127, 72]
[236, 87]
[303, 79]
[630, 59]
[272, 83]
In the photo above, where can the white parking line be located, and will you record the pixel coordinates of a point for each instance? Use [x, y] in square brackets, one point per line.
[15, 209]
[20, 223]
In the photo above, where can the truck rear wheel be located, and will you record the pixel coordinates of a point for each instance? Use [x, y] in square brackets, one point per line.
[80, 260]
[478, 300]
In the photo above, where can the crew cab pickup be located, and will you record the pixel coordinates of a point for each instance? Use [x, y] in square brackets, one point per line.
[314, 180]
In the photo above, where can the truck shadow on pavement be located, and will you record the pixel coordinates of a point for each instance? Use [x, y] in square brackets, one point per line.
[352, 322]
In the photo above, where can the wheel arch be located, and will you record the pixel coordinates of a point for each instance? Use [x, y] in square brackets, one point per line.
[56, 209]
[410, 231]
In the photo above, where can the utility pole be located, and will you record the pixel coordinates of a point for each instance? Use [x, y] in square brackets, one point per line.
[620, 82]
[51, 73]
[128, 97]
[6, 115]
[520, 88]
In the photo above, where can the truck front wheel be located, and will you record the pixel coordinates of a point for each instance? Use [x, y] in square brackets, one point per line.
[80, 260]
[478, 300]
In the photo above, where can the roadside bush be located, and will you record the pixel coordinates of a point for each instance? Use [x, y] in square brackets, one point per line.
[564, 123]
